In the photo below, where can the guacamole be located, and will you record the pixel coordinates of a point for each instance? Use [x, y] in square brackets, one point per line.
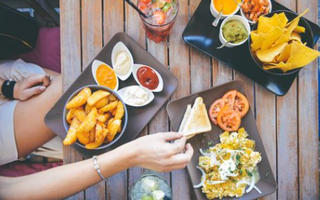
[234, 31]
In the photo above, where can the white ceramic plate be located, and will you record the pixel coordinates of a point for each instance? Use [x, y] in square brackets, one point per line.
[95, 65]
[136, 67]
[116, 49]
[122, 91]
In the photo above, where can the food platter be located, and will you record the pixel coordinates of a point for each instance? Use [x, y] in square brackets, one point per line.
[200, 34]
[138, 117]
[176, 110]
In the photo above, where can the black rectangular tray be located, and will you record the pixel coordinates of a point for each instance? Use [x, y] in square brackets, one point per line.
[200, 34]
[176, 110]
[138, 118]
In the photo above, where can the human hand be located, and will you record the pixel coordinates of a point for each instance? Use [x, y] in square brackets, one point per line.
[33, 85]
[155, 153]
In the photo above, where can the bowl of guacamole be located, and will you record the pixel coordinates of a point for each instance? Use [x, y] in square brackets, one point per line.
[234, 30]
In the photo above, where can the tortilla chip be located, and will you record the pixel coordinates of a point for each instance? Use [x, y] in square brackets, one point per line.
[301, 55]
[256, 45]
[271, 38]
[295, 36]
[292, 26]
[268, 55]
[285, 54]
[283, 39]
[264, 26]
[283, 19]
[299, 29]
[282, 66]
[275, 21]
[254, 35]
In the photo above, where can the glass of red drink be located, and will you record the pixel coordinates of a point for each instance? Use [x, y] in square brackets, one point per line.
[162, 14]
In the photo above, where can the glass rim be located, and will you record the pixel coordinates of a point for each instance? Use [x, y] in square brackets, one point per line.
[162, 25]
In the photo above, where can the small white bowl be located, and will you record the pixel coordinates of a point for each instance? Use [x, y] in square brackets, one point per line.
[243, 21]
[215, 13]
[116, 49]
[135, 69]
[122, 91]
[95, 66]
[251, 22]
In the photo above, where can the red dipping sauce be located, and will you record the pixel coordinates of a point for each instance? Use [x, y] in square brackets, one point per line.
[148, 77]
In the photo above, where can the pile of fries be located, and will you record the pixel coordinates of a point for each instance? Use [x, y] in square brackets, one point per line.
[94, 118]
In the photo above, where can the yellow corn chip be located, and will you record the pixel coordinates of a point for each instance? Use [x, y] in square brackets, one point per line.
[256, 45]
[268, 55]
[285, 54]
[301, 55]
[271, 38]
[299, 29]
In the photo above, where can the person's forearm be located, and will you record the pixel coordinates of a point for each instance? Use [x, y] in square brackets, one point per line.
[64, 181]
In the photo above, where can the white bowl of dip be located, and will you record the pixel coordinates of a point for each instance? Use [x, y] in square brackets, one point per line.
[136, 96]
[122, 61]
[239, 19]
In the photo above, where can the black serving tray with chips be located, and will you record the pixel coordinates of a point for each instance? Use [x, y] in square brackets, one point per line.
[200, 34]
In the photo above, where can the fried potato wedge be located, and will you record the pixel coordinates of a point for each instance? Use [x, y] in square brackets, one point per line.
[113, 128]
[89, 122]
[103, 117]
[109, 107]
[83, 137]
[80, 114]
[99, 139]
[72, 132]
[97, 96]
[103, 102]
[92, 135]
[70, 115]
[80, 99]
[120, 111]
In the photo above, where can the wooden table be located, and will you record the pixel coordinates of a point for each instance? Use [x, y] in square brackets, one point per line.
[288, 125]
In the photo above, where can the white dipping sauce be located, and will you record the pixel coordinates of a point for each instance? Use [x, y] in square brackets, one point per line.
[136, 95]
[122, 63]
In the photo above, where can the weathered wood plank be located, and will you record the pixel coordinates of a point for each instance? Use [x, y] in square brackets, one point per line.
[308, 119]
[113, 22]
[200, 66]
[134, 25]
[91, 30]
[220, 73]
[70, 61]
[266, 122]
[91, 46]
[287, 138]
[160, 121]
[113, 19]
[180, 67]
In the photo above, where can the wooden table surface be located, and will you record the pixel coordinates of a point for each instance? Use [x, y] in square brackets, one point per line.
[288, 125]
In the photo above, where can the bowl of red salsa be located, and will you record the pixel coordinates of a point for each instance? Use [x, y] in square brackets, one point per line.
[147, 77]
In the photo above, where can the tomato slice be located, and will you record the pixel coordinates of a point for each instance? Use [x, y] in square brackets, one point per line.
[214, 110]
[146, 1]
[229, 98]
[241, 104]
[228, 119]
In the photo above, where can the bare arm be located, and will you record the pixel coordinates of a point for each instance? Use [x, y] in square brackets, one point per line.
[152, 152]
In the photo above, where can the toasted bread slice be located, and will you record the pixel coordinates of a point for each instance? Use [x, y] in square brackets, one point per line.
[185, 118]
[198, 120]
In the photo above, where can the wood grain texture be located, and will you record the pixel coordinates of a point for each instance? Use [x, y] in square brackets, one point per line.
[308, 119]
[287, 138]
[91, 46]
[160, 121]
[180, 67]
[113, 22]
[266, 122]
[113, 18]
[220, 73]
[91, 30]
[70, 61]
[134, 25]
